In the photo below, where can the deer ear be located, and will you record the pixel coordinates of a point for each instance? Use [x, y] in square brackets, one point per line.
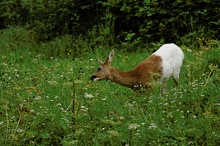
[110, 57]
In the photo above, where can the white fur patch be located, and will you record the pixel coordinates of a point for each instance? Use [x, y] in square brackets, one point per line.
[172, 57]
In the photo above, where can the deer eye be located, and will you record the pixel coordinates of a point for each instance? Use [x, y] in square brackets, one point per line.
[99, 69]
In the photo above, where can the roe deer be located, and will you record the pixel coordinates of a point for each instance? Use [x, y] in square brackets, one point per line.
[164, 63]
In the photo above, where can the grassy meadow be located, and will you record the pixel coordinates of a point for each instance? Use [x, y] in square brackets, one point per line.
[50, 100]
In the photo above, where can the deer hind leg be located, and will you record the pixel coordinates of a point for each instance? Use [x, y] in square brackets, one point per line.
[176, 81]
[164, 87]
[175, 77]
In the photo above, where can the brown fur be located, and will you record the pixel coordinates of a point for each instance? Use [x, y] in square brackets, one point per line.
[141, 76]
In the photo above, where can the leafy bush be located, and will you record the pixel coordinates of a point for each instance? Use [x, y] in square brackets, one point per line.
[149, 21]
[164, 20]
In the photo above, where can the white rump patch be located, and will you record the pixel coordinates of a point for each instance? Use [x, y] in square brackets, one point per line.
[172, 57]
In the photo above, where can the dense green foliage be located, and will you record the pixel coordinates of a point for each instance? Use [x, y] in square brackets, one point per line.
[123, 20]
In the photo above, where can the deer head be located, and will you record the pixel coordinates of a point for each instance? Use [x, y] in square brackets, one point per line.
[103, 70]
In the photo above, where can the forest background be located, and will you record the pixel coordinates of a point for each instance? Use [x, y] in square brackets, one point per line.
[131, 24]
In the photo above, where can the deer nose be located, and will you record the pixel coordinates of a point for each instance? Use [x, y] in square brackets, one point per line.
[92, 77]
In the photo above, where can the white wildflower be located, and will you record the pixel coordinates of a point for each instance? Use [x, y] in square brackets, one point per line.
[4, 64]
[121, 118]
[88, 95]
[113, 133]
[133, 126]
[58, 104]
[37, 98]
[194, 116]
[20, 130]
[152, 126]
[83, 107]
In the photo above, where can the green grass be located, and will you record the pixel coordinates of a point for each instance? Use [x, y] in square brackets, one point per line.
[37, 92]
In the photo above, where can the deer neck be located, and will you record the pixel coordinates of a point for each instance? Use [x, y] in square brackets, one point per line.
[123, 78]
